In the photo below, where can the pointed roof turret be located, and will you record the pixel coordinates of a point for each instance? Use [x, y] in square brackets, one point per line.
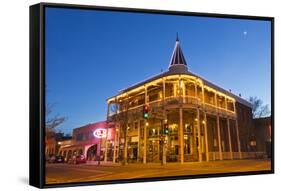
[177, 59]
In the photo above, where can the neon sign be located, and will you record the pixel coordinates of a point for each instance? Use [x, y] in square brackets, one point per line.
[99, 133]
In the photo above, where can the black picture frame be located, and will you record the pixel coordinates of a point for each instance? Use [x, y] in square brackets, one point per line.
[37, 92]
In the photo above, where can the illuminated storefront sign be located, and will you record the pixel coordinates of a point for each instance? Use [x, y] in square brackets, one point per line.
[100, 133]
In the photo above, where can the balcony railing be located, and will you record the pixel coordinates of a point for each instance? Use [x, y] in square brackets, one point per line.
[185, 100]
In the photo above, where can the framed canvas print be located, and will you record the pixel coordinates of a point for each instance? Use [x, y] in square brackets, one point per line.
[126, 95]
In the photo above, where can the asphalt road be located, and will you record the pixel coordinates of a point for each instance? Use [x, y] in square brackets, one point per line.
[65, 173]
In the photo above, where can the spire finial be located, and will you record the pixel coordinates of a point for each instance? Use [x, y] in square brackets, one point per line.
[177, 58]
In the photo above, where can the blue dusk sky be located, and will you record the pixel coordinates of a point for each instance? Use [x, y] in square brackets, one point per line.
[91, 55]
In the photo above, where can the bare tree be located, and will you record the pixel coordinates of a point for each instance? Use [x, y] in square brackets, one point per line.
[121, 117]
[259, 110]
[52, 121]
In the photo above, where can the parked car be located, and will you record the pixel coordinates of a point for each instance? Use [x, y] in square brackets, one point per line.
[77, 159]
[59, 159]
[50, 158]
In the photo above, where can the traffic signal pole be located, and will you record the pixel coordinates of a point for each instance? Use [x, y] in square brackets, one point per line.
[164, 132]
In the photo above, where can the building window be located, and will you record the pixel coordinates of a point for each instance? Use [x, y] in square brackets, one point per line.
[190, 89]
[153, 132]
[173, 129]
[113, 108]
[209, 97]
[154, 93]
[188, 128]
[221, 102]
[169, 90]
[187, 144]
[230, 105]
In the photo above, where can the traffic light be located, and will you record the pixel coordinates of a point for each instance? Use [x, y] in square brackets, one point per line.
[166, 129]
[145, 111]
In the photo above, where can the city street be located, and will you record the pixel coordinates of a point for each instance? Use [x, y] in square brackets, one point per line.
[65, 173]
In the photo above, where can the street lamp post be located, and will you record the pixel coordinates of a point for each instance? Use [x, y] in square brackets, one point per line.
[163, 139]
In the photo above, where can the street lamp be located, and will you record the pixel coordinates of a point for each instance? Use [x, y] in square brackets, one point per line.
[164, 133]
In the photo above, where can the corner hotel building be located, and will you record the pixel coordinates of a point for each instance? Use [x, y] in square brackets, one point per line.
[205, 122]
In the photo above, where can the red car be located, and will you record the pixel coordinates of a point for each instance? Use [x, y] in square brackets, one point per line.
[77, 159]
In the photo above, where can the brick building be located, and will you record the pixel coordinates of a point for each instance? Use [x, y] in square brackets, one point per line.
[263, 135]
[89, 140]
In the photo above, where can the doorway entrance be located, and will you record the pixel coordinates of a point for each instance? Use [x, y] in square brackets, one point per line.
[92, 153]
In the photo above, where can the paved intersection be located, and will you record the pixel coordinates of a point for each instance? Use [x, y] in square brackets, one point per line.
[65, 173]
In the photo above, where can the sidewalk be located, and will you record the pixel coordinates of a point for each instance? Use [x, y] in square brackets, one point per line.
[172, 164]
[102, 163]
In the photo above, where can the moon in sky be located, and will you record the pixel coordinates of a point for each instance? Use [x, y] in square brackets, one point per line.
[245, 32]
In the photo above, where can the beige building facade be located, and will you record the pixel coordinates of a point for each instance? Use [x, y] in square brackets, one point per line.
[204, 121]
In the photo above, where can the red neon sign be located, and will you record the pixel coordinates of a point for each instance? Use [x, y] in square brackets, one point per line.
[100, 133]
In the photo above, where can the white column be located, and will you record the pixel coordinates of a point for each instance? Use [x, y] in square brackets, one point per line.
[219, 136]
[194, 144]
[165, 120]
[238, 139]
[206, 137]
[181, 136]
[234, 106]
[205, 125]
[237, 131]
[181, 123]
[199, 136]
[164, 145]
[138, 141]
[229, 139]
[145, 127]
[164, 152]
[126, 147]
[144, 142]
[198, 126]
[158, 145]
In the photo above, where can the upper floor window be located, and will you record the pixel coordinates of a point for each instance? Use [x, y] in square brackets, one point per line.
[169, 90]
[209, 97]
[221, 101]
[190, 89]
[153, 132]
[230, 105]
